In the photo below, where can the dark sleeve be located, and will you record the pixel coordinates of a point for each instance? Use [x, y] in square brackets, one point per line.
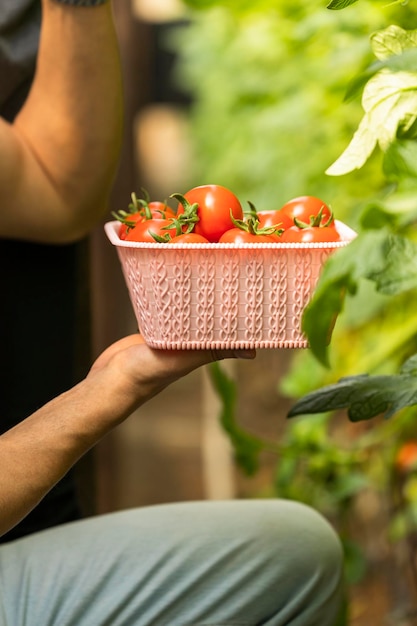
[19, 38]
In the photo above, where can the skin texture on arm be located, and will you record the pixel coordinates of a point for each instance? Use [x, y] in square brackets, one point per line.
[37, 453]
[59, 157]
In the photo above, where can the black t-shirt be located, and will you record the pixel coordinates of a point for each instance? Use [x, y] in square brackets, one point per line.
[39, 288]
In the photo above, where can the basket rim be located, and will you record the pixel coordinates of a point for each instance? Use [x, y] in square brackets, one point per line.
[112, 234]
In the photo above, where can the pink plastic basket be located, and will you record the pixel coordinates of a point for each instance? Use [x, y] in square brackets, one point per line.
[219, 296]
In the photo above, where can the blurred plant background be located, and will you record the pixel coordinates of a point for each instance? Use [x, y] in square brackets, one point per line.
[267, 115]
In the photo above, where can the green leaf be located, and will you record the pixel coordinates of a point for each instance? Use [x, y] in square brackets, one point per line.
[336, 5]
[399, 272]
[403, 62]
[396, 211]
[339, 277]
[410, 366]
[392, 41]
[389, 98]
[359, 82]
[363, 396]
[246, 447]
[390, 261]
[358, 151]
[400, 160]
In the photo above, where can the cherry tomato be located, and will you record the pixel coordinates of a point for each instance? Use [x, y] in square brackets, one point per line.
[311, 234]
[275, 217]
[160, 210]
[148, 210]
[215, 204]
[238, 235]
[128, 222]
[189, 238]
[143, 231]
[406, 458]
[305, 209]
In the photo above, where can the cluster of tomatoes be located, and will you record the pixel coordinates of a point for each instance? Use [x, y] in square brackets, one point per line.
[213, 214]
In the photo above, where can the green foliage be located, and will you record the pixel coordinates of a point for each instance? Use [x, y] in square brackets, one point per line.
[267, 86]
[390, 261]
[389, 98]
[276, 92]
[246, 447]
[364, 396]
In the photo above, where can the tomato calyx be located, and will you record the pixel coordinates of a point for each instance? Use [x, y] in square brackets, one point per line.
[180, 225]
[142, 209]
[190, 215]
[316, 221]
[250, 223]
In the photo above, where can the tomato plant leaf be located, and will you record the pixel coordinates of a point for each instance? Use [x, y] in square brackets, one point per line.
[393, 41]
[336, 5]
[363, 396]
[410, 366]
[339, 277]
[389, 260]
[400, 269]
[403, 62]
[400, 160]
[389, 98]
[246, 446]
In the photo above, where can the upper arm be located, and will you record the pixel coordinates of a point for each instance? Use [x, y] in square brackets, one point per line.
[30, 206]
[59, 157]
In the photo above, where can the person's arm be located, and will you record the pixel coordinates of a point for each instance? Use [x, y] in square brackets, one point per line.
[37, 453]
[59, 157]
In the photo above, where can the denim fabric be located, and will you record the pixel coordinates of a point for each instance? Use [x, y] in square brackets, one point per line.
[243, 563]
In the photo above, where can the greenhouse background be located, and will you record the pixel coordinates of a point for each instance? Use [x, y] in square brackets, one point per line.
[252, 96]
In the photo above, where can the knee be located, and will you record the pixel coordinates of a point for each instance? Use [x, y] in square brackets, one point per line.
[306, 561]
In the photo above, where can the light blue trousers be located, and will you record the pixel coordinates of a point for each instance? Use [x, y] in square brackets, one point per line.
[240, 563]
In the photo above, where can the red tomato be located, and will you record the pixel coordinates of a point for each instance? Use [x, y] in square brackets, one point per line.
[189, 238]
[160, 210]
[306, 208]
[215, 203]
[312, 234]
[238, 235]
[143, 211]
[406, 458]
[143, 230]
[275, 217]
[128, 222]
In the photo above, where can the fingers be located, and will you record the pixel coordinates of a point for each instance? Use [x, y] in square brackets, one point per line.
[220, 355]
[162, 364]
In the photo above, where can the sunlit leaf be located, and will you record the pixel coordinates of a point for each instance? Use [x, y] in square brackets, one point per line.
[393, 41]
[389, 98]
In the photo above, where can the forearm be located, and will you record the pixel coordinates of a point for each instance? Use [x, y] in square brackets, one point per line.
[68, 133]
[39, 451]
[36, 453]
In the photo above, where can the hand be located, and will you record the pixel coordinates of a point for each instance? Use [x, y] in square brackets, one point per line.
[150, 370]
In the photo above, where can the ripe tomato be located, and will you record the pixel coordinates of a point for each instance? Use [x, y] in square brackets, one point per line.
[189, 238]
[215, 204]
[159, 210]
[142, 210]
[144, 230]
[311, 234]
[238, 235]
[305, 209]
[275, 217]
[406, 458]
[127, 222]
